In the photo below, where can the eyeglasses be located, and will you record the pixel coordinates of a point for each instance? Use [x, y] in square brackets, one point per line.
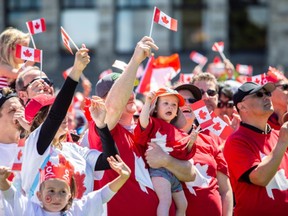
[45, 79]
[190, 100]
[227, 104]
[261, 94]
[209, 92]
[284, 87]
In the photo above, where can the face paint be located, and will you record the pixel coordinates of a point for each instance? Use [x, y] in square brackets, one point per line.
[48, 199]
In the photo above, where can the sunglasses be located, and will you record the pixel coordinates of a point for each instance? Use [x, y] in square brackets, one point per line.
[284, 87]
[45, 79]
[209, 92]
[261, 94]
[227, 104]
[190, 100]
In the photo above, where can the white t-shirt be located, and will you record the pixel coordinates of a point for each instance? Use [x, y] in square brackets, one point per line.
[83, 160]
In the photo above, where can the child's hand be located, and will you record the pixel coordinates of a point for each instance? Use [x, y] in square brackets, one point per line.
[4, 173]
[98, 111]
[150, 96]
[119, 166]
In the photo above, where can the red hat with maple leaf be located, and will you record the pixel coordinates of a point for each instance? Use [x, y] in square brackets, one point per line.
[36, 103]
[57, 168]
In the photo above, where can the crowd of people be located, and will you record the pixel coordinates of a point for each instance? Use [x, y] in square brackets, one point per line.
[112, 154]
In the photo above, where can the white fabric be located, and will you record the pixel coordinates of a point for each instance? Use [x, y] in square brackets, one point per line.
[7, 154]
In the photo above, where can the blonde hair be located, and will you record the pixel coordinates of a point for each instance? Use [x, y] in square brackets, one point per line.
[8, 40]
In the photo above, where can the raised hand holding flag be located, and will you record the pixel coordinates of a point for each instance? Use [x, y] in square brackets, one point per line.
[198, 58]
[219, 47]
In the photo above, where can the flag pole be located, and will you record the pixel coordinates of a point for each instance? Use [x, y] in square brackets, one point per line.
[70, 39]
[151, 27]
[31, 36]
[41, 62]
[221, 53]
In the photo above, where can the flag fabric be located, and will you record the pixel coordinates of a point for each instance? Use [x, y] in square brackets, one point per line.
[119, 64]
[36, 26]
[185, 78]
[104, 73]
[274, 75]
[27, 53]
[218, 46]
[164, 20]
[159, 72]
[202, 114]
[66, 72]
[260, 79]
[17, 165]
[198, 58]
[66, 40]
[220, 127]
[244, 69]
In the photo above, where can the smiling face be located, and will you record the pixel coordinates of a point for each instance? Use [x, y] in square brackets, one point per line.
[54, 195]
[167, 107]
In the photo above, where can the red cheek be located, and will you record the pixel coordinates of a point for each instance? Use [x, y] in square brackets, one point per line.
[48, 199]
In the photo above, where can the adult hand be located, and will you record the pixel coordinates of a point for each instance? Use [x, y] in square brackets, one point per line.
[98, 111]
[155, 156]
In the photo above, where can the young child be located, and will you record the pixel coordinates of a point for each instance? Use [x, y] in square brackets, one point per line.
[57, 190]
[160, 122]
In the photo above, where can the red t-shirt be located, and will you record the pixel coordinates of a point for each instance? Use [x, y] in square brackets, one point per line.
[202, 194]
[243, 150]
[130, 199]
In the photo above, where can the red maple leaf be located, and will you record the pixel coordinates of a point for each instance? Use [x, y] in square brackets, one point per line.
[37, 25]
[79, 179]
[164, 19]
[27, 53]
[202, 114]
[257, 80]
[19, 155]
[217, 126]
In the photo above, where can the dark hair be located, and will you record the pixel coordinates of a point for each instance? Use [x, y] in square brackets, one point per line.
[39, 118]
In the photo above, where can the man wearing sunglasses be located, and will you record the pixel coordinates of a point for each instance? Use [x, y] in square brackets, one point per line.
[257, 155]
[225, 106]
[32, 82]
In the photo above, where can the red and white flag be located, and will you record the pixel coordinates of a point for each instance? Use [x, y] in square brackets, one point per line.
[198, 58]
[17, 165]
[159, 72]
[164, 20]
[104, 73]
[202, 114]
[185, 78]
[36, 26]
[274, 75]
[27, 53]
[244, 69]
[66, 40]
[218, 46]
[66, 73]
[260, 79]
[220, 127]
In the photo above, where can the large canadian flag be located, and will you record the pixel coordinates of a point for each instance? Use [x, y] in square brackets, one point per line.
[36, 26]
[159, 72]
[164, 20]
[66, 40]
[17, 165]
[202, 114]
[218, 46]
[27, 53]
[220, 127]
[198, 58]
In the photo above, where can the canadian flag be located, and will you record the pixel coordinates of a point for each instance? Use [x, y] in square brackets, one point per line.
[17, 165]
[36, 26]
[164, 20]
[202, 114]
[159, 72]
[220, 127]
[198, 58]
[185, 78]
[66, 40]
[27, 53]
[65, 73]
[274, 75]
[218, 46]
[244, 69]
[260, 79]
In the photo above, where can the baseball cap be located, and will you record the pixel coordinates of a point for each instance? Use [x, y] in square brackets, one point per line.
[249, 88]
[104, 85]
[192, 88]
[36, 103]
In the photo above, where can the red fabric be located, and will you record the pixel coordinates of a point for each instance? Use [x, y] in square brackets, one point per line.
[206, 200]
[273, 122]
[130, 199]
[242, 151]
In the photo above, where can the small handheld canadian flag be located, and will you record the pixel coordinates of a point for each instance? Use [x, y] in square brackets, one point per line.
[164, 20]
[17, 165]
[66, 40]
[185, 78]
[244, 69]
[36, 26]
[202, 114]
[220, 127]
[219, 47]
[29, 54]
[198, 58]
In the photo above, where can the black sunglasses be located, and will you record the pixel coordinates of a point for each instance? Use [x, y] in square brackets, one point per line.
[261, 94]
[190, 100]
[45, 79]
[284, 87]
[228, 104]
[210, 92]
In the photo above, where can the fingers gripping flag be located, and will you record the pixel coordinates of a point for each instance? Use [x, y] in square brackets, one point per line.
[164, 20]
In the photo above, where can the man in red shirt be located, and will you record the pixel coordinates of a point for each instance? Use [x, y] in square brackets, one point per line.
[257, 155]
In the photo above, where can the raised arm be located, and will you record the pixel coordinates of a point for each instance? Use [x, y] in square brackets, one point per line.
[122, 89]
[145, 112]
